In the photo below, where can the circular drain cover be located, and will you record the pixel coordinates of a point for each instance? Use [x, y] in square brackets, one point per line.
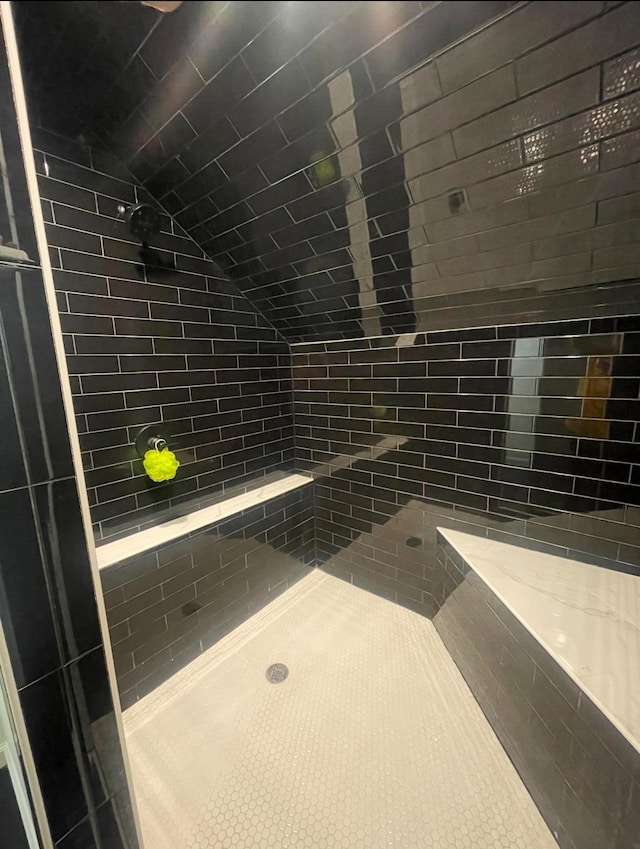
[276, 673]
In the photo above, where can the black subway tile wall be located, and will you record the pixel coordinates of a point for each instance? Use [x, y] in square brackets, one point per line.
[48, 608]
[167, 606]
[581, 771]
[365, 171]
[528, 433]
[156, 336]
[399, 251]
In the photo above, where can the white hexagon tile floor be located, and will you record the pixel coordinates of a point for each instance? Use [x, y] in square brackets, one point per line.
[374, 739]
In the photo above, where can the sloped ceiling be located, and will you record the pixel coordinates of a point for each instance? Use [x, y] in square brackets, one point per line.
[349, 183]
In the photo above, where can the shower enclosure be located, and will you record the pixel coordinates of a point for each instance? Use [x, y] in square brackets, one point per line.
[321, 356]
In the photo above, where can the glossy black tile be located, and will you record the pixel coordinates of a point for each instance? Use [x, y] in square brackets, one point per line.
[355, 35]
[174, 135]
[426, 36]
[99, 829]
[206, 147]
[226, 33]
[16, 220]
[47, 598]
[28, 620]
[488, 448]
[295, 27]
[284, 89]
[66, 561]
[46, 708]
[63, 147]
[486, 350]
[13, 473]
[65, 193]
[177, 601]
[307, 113]
[219, 96]
[33, 378]
[77, 185]
[311, 152]
[120, 382]
[252, 149]
[163, 181]
[280, 90]
[165, 44]
[89, 680]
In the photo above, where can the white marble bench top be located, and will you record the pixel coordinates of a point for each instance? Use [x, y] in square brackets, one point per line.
[586, 617]
[135, 543]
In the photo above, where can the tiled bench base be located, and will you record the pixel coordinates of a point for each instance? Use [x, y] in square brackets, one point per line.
[583, 774]
[168, 605]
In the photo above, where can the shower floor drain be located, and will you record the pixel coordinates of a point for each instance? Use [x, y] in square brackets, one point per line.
[276, 673]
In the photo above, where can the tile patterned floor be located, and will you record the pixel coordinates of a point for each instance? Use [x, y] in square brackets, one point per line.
[374, 739]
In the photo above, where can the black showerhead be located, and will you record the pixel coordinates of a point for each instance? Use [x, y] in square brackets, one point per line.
[143, 221]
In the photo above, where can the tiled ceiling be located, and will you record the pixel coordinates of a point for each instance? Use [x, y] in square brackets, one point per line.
[351, 183]
[81, 65]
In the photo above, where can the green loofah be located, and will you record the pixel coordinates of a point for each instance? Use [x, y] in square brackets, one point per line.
[160, 465]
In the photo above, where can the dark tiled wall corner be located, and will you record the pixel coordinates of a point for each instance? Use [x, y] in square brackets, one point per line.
[167, 606]
[527, 432]
[357, 174]
[582, 773]
[47, 597]
[168, 341]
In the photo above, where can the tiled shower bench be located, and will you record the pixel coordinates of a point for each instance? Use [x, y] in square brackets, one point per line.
[550, 648]
[174, 589]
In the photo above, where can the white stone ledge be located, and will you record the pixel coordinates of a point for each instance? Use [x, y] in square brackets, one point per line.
[586, 617]
[136, 543]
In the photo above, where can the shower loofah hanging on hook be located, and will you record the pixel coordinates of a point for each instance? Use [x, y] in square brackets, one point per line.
[160, 465]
